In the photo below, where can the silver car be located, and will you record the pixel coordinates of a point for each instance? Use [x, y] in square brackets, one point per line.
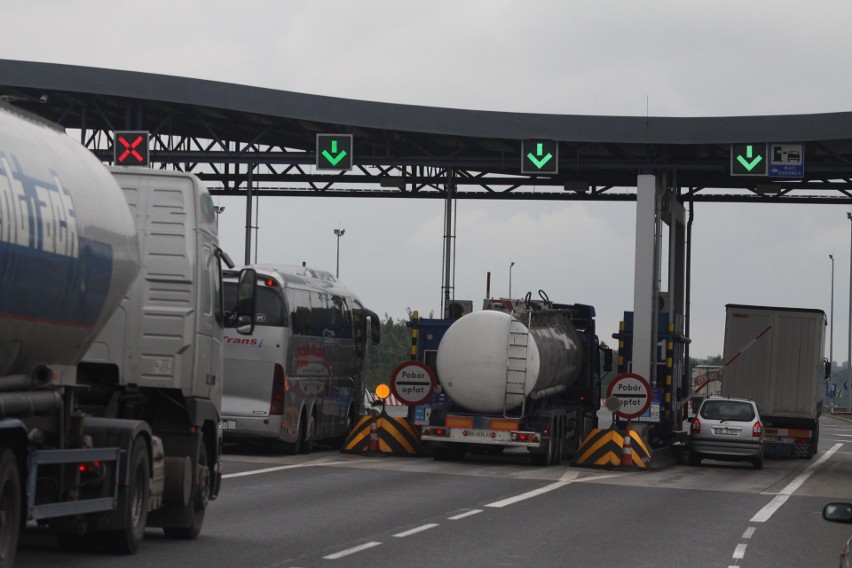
[726, 429]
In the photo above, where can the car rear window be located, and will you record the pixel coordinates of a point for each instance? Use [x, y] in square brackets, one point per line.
[727, 410]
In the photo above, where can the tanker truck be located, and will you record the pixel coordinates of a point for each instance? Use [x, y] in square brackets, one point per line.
[518, 374]
[110, 376]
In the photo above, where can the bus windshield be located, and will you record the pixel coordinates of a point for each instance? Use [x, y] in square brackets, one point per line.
[269, 306]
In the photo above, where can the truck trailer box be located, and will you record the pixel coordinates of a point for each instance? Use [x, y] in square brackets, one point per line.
[775, 357]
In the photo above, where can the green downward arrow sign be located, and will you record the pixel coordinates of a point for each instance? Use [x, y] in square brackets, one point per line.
[539, 161]
[748, 163]
[333, 157]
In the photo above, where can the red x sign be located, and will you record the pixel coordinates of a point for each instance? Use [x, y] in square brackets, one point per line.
[131, 148]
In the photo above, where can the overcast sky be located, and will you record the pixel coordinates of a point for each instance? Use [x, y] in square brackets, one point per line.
[603, 57]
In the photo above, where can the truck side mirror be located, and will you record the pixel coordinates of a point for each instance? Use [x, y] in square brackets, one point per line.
[607, 353]
[246, 292]
[827, 369]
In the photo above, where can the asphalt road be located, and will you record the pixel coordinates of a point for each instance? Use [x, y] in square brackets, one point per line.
[337, 510]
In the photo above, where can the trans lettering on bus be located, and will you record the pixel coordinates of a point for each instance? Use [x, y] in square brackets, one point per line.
[306, 384]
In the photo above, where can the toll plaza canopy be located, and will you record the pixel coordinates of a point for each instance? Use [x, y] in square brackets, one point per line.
[239, 138]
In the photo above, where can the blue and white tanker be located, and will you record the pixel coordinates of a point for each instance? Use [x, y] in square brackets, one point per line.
[110, 344]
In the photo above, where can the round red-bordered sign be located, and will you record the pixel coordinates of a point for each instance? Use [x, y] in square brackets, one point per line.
[633, 392]
[412, 383]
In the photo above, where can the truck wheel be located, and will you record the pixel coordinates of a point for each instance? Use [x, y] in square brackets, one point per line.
[545, 458]
[198, 500]
[134, 499]
[10, 507]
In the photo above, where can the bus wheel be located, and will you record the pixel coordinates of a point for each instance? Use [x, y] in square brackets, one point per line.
[309, 435]
[296, 447]
[133, 499]
[10, 507]
[200, 497]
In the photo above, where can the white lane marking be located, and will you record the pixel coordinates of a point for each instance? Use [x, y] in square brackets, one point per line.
[749, 532]
[265, 470]
[464, 515]
[766, 513]
[416, 530]
[567, 479]
[739, 552]
[352, 550]
[319, 462]
[528, 494]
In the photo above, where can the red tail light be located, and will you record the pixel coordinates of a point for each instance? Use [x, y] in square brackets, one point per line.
[276, 403]
[756, 430]
[696, 426]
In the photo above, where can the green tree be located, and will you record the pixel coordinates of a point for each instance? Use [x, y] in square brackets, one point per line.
[393, 349]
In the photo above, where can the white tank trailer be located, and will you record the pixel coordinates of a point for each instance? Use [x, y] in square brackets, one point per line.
[526, 375]
[477, 351]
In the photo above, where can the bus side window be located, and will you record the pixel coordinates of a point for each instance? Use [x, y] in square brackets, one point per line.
[300, 304]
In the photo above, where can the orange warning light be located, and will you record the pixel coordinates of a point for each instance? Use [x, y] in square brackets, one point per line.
[382, 391]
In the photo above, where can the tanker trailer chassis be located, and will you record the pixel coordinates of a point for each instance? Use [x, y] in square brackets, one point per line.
[528, 378]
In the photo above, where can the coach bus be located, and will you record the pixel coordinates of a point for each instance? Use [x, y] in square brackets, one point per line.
[297, 374]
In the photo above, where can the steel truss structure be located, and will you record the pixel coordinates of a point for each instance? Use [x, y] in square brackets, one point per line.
[239, 151]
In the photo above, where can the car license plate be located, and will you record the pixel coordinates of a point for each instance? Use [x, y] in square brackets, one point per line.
[771, 438]
[228, 424]
[725, 431]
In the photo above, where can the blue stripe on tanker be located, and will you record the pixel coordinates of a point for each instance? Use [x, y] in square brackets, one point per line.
[23, 272]
[39, 243]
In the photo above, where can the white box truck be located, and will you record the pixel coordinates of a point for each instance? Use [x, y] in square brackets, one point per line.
[774, 356]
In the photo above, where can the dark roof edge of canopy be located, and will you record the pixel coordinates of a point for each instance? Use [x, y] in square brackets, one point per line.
[430, 120]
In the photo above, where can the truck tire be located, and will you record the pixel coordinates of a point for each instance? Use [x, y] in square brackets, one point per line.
[193, 514]
[134, 499]
[812, 447]
[10, 507]
[545, 458]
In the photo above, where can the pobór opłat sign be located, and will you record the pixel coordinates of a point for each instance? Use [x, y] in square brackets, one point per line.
[633, 393]
[413, 383]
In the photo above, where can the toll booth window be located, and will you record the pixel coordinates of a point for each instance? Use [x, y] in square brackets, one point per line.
[270, 308]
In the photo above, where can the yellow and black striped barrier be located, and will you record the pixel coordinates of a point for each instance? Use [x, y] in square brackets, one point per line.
[607, 449]
[383, 435]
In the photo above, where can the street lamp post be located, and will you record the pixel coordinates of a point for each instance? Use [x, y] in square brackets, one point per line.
[339, 233]
[511, 264]
[849, 338]
[831, 323]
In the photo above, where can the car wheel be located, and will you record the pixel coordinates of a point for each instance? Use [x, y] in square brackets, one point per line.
[757, 463]
[694, 458]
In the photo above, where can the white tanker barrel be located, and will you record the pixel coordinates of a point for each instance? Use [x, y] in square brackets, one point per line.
[473, 357]
[68, 246]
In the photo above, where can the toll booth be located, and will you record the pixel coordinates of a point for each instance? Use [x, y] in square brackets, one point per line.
[668, 393]
[426, 335]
